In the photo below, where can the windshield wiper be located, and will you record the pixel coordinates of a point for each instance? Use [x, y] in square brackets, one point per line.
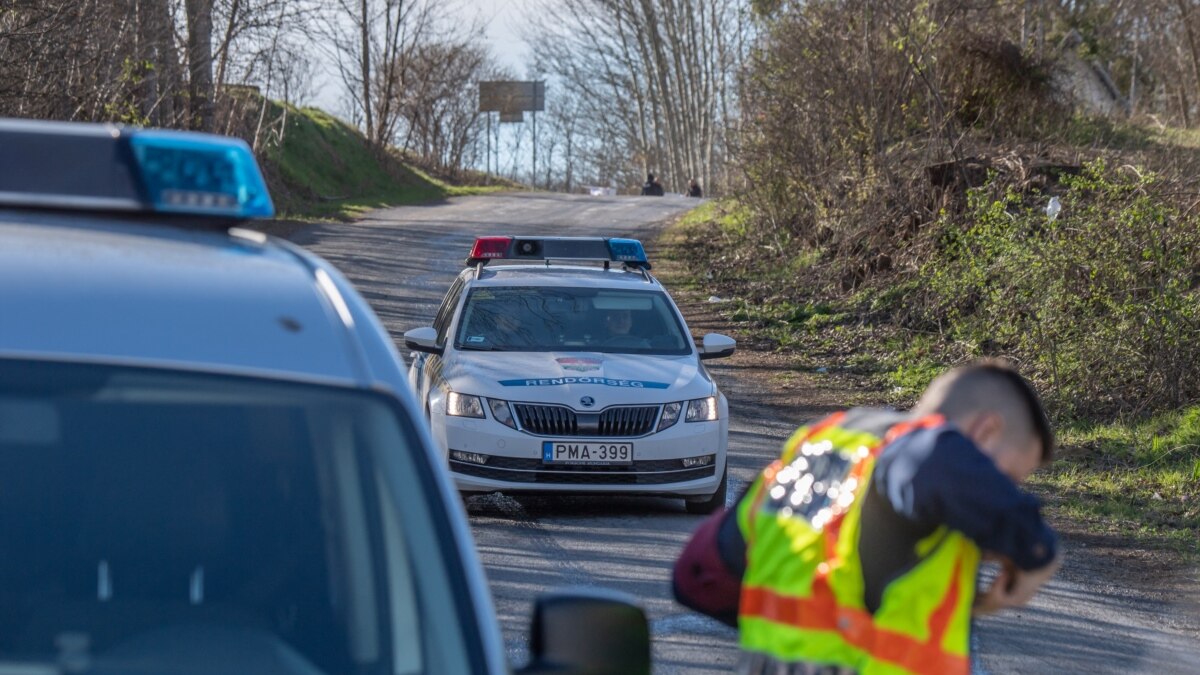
[482, 349]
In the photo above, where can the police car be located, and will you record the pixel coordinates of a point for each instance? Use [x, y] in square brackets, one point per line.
[210, 457]
[576, 373]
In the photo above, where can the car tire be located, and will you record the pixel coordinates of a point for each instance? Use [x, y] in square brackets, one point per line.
[714, 501]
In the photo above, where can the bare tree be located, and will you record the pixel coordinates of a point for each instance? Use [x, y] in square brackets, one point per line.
[372, 43]
[657, 76]
[137, 61]
[437, 107]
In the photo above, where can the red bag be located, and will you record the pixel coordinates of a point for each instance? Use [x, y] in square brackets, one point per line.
[702, 580]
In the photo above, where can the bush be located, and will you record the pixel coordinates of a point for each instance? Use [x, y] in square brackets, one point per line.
[1101, 304]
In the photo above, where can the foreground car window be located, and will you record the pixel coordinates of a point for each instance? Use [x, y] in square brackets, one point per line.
[524, 318]
[158, 522]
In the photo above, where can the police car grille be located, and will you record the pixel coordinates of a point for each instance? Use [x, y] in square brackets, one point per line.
[555, 420]
[547, 420]
[628, 421]
[643, 472]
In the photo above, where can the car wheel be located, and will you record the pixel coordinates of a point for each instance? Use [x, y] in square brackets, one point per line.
[712, 503]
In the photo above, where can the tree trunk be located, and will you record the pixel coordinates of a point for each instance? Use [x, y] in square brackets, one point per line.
[156, 45]
[365, 28]
[200, 66]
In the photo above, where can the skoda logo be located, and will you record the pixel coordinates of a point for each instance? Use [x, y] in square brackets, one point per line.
[587, 401]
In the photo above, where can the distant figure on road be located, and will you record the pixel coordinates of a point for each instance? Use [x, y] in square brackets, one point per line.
[652, 188]
[694, 189]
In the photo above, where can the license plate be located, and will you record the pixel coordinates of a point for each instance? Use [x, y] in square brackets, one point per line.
[570, 452]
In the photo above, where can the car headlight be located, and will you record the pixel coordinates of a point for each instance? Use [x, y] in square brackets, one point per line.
[670, 415]
[463, 405]
[702, 409]
[501, 412]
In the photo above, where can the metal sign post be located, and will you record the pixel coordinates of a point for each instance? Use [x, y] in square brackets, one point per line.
[512, 100]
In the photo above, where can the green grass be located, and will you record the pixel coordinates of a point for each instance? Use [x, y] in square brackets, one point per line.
[325, 169]
[1139, 478]
[731, 216]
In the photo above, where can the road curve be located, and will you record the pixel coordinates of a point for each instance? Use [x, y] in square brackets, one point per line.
[403, 259]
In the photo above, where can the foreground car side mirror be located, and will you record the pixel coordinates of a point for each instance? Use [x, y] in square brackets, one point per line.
[588, 631]
[422, 340]
[717, 346]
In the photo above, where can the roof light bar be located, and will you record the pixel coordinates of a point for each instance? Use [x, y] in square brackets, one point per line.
[627, 251]
[104, 167]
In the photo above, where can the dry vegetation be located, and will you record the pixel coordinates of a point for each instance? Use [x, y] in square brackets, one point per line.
[900, 158]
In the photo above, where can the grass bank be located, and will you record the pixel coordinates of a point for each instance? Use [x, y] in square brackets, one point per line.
[319, 167]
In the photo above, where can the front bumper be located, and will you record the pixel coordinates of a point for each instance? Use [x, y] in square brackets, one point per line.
[514, 460]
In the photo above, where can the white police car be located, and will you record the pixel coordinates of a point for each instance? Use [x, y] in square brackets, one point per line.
[210, 458]
[570, 377]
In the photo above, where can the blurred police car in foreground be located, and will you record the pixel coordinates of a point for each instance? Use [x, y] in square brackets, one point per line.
[210, 461]
[571, 378]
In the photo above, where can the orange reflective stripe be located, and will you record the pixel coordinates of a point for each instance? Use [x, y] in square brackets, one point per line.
[939, 621]
[926, 422]
[829, 421]
[821, 613]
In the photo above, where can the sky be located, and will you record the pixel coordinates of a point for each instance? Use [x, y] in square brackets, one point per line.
[504, 27]
[503, 19]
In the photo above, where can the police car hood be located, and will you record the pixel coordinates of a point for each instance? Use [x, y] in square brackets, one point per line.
[567, 377]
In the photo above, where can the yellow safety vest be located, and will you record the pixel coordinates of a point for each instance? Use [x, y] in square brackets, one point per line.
[802, 595]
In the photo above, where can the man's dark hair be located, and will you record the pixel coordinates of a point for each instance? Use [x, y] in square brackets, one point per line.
[966, 388]
[649, 178]
[1029, 396]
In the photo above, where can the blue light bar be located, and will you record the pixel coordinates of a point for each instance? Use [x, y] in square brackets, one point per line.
[627, 250]
[105, 167]
[200, 174]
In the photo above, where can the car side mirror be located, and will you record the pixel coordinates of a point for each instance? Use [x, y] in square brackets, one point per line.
[717, 346]
[423, 340]
[592, 631]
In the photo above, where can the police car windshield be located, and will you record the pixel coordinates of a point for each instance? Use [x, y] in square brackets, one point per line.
[180, 521]
[541, 318]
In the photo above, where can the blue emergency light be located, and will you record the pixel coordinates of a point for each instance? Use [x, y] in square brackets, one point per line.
[65, 165]
[626, 251]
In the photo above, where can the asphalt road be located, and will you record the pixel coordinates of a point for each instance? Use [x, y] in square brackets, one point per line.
[403, 260]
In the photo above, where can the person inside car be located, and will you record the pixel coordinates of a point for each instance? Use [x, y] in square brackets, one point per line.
[617, 325]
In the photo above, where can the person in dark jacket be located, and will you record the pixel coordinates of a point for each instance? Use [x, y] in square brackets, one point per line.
[652, 188]
[694, 189]
[949, 469]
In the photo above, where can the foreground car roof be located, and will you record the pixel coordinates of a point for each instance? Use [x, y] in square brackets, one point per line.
[119, 291]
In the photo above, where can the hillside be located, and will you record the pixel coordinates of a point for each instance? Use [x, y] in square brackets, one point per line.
[318, 166]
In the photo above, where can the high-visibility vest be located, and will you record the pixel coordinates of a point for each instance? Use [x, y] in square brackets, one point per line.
[803, 598]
